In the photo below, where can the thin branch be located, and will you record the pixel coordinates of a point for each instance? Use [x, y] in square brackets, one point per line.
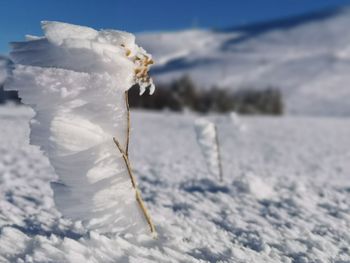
[145, 212]
[219, 156]
[129, 169]
[127, 163]
[134, 185]
[128, 123]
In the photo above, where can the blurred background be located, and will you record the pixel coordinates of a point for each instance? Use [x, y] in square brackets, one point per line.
[253, 57]
[283, 190]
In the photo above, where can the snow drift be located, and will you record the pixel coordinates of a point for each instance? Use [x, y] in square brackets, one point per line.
[75, 79]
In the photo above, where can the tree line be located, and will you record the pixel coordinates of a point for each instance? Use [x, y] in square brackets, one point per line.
[183, 94]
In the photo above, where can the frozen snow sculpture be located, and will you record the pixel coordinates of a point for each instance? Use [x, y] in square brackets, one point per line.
[207, 139]
[237, 122]
[76, 79]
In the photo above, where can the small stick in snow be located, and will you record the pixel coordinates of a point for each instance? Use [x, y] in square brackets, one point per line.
[128, 123]
[221, 177]
[128, 166]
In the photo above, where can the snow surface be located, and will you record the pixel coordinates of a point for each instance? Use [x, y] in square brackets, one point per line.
[285, 195]
[307, 57]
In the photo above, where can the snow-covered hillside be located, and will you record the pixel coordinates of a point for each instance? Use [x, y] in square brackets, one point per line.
[284, 198]
[307, 57]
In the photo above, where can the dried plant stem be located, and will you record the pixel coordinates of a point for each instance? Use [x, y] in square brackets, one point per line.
[127, 163]
[128, 122]
[219, 155]
[128, 166]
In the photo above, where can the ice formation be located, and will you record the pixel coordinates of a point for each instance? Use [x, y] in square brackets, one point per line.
[207, 139]
[75, 78]
[237, 122]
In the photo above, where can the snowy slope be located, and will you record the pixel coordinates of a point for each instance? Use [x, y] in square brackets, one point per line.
[284, 198]
[307, 57]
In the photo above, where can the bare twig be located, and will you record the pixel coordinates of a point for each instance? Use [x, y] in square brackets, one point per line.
[128, 123]
[129, 169]
[219, 156]
[127, 163]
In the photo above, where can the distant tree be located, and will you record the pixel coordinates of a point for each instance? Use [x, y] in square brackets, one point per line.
[266, 101]
[8, 96]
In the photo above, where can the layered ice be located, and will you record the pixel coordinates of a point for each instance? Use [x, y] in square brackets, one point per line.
[208, 141]
[75, 79]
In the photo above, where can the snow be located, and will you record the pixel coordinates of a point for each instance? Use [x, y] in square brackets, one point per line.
[208, 142]
[237, 122]
[285, 195]
[75, 79]
[285, 191]
[306, 58]
[86, 50]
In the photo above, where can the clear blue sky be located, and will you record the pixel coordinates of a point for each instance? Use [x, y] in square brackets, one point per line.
[20, 17]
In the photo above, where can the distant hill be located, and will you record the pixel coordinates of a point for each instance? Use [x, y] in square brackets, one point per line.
[307, 57]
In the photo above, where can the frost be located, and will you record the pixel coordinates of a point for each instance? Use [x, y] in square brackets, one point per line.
[208, 141]
[84, 49]
[237, 122]
[75, 78]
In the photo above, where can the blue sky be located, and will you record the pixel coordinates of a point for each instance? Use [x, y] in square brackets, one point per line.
[20, 17]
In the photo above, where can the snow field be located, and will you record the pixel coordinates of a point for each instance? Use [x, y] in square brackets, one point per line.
[285, 195]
